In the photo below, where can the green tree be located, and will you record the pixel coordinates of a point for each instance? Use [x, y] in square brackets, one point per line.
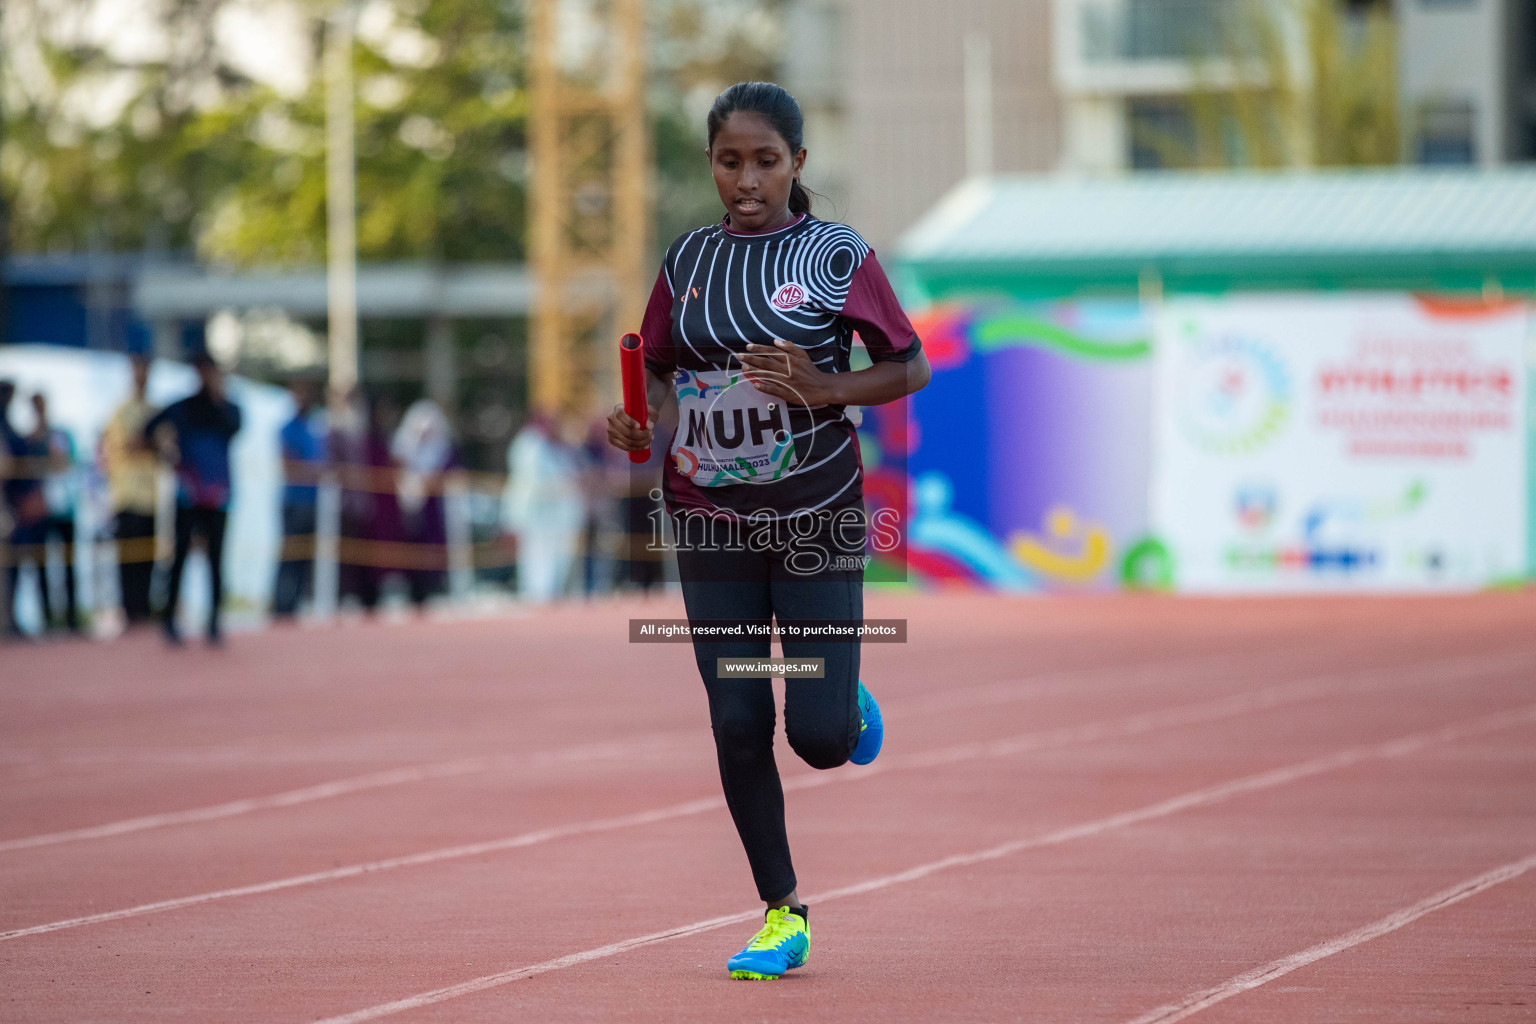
[102, 151]
[1296, 83]
[183, 152]
[199, 157]
[441, 111]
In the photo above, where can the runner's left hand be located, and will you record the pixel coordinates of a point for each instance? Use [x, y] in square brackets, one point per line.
[785, 371]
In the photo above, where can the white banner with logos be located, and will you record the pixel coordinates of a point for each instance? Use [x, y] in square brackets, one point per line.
[1351, 442]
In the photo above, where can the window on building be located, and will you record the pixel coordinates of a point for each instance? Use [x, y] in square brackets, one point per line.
[1446, 132]
[1520, 98]
[1136, 30]
[1173, 29]
[1161, 132]
[1180, 132]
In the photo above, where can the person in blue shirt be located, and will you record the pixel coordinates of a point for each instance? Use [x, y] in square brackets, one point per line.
[195, 432]
[303, 440]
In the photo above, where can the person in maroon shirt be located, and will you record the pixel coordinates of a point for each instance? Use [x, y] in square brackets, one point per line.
[750, 328]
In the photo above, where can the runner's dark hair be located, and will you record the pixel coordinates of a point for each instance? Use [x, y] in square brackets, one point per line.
[779, 109]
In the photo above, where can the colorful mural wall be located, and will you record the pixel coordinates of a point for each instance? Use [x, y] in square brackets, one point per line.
[1053, 452]
[1025, 460]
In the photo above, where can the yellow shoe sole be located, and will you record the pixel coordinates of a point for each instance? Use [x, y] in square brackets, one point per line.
[753, 976]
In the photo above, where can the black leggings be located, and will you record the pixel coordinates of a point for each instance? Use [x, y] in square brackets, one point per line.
[136, 562]
[209, 522]
[821, 716]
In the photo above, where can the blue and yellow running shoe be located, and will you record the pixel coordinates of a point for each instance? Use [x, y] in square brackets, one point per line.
[871, 732]
[783, 944]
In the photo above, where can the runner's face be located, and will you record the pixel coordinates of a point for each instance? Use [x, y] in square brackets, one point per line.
[753, 171]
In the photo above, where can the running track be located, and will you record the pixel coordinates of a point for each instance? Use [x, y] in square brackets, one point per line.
[1103, 810]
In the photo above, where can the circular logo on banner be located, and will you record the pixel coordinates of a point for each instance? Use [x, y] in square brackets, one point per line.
[789, 296]
[1236, 397]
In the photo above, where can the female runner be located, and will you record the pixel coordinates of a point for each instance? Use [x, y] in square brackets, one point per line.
[750, 326]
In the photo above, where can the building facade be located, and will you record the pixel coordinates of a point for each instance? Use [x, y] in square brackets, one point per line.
[906, 98]
[893, 125]
[1467, 77]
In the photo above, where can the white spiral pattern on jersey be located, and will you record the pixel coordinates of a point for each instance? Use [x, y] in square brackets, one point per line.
[822, 258]
[825, 262]
[682, 328]
[719, 304]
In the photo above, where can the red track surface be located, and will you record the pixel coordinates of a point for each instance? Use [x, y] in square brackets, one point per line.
[1047, 836]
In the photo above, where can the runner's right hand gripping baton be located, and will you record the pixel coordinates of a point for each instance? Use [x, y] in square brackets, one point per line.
[632, 365]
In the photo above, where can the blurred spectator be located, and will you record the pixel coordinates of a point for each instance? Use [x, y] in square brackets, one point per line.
[25, 503]
[639, 514]
[7, 390]
[201, 428]
[7, 460]
[544, 508]
[61, 493]
[304, 451]
[600, 499]
[423, 450]
[370, 511]
[132, 482]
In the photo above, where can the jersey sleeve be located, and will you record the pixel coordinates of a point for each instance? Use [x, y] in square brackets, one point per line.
[872, 310]
[656, 328]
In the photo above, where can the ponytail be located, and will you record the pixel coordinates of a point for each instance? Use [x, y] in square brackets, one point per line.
[799, 198]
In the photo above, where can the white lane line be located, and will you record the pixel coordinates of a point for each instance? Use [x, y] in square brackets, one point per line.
[1197, 1001]
[655, 743]
[285, 750]
[1364, 682]
[1198, 798]
[1121, 677]
[465, 988]
[1121, 728]
[371, 867]
[979, 695]
[377, 747]
[1075, 680]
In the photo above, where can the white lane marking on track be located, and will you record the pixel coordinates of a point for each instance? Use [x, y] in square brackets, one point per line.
[1198, 798]
[986, 693]
[1133, 725]
[358, 784]
[981, 694]
[465, 988]
[1263, 699]
[1197, 1001]
[375, 747]
[1074, 680]
[281, 751]
[410, 860]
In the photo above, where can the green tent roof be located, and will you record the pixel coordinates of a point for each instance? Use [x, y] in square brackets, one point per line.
[1389, 228]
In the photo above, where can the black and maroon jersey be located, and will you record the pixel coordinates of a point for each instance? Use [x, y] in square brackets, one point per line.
[813, 283]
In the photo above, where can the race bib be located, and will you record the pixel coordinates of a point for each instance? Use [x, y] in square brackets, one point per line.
[728, 432]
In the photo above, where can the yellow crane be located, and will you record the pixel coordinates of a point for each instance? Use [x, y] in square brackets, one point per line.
[591, 192]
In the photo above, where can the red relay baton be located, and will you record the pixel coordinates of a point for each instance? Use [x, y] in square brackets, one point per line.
[632, 365]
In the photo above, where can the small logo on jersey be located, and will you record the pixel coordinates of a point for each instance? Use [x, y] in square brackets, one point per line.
[789, 296]
[687, 462]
